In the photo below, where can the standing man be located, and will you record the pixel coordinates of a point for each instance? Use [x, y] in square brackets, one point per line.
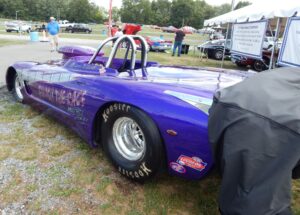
[53, 30]
[119, 33]
[178, 41]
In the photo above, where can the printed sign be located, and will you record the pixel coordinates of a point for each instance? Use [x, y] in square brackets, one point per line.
[289, 52]
[248, 38]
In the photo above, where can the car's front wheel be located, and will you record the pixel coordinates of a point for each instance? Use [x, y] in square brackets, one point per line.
[16, 90]
[259, 65]
[132, 141]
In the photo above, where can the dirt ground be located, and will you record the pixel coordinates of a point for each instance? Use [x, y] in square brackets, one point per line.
[47, 169]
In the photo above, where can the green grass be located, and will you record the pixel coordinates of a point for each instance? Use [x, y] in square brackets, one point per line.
[92, 174]
[10, 42]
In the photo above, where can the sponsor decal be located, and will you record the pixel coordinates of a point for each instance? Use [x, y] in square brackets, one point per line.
[192, 162]
[177, 167]
[66, 97]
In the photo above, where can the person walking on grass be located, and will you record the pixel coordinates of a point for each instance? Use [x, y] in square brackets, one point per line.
[178, 41]
[53, 31]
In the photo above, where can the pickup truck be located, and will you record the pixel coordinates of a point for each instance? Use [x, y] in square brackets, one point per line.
[65, 24]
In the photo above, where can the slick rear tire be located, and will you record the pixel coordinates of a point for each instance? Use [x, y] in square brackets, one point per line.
[132, 141]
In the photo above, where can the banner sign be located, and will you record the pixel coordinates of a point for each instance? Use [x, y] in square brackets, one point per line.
[289, 52]
[248, 38]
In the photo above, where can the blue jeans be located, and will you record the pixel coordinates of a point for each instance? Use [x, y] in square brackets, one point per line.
[179, 45]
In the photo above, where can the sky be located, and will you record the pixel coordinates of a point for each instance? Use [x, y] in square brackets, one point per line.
[118, 3]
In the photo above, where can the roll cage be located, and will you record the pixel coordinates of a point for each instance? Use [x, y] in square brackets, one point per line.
[130, 41]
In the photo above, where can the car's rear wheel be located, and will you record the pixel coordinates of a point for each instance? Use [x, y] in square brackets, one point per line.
[132, 141]
[16, 90]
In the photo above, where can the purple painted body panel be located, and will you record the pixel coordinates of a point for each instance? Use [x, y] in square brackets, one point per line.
[74, 92]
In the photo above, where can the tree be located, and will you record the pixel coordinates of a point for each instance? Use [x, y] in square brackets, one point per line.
[181, 12]
[242, 4]
[222, 9]
[161, 10]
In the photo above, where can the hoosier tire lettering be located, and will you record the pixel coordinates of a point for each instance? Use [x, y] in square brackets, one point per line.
[114, 107]
[132, 141]
[141, 172]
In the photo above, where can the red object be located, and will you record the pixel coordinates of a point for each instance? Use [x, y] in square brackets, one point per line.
[131, 29]
[113, 31]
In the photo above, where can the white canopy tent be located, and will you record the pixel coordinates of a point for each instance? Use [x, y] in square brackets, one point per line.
[261, 10]
[265, 9]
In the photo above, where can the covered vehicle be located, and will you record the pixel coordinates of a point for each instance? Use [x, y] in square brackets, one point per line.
[158, 44]
[255, 133]
[145, 116]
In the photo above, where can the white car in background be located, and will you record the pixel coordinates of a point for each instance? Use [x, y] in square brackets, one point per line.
[65, 24]
[17, 26]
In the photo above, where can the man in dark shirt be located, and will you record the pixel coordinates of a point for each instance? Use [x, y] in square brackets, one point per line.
[178, 41]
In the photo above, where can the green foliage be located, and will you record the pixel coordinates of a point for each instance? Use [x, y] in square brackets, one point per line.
[41, 10]
[166, 12]
[242, 4]
[156, 12]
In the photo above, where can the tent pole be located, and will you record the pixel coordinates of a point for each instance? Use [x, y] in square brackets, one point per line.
[224, 51]
[275, 44]
[226, 39]
[109, 19]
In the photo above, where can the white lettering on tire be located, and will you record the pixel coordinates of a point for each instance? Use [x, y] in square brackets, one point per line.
[112, 108]
[140, 173]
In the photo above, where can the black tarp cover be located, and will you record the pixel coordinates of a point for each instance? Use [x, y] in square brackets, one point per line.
[254, 128]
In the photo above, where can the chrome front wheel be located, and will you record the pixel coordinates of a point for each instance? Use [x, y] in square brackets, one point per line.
[129, 139]
[17, 88]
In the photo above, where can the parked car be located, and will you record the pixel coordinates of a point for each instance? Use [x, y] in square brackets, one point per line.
[17, 26]
[215, 48]
[158, 44]
[258, 65]
[79, 28]
[145, 116]
[170, 29]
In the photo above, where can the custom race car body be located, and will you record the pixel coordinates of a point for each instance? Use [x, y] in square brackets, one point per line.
[145, 116]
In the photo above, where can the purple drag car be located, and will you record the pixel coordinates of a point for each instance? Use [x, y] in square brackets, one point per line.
[145, 116]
